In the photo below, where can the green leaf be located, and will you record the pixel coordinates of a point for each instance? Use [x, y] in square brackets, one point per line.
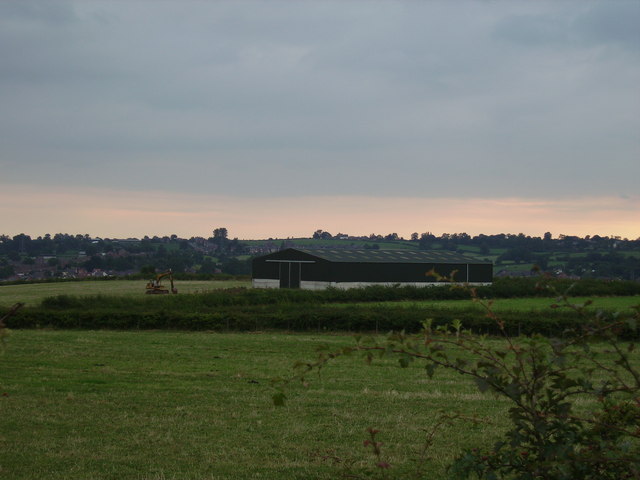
[404, 361]
[368, 358]
[482, 384]
[461, 363]
[426, 325]
[279, 399]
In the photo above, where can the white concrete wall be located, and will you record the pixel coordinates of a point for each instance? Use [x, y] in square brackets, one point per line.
[265, 283]
[314, 285]
[311, 285]
[348, 285]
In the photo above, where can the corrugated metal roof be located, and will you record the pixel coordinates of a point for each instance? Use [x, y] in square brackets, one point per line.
[389, 256]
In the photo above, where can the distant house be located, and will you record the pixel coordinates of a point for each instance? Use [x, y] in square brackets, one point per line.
[322, 268]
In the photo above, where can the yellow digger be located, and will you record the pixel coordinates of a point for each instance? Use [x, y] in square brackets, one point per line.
[154, 287]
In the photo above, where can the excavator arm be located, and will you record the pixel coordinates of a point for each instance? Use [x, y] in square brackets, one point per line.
[154, 287]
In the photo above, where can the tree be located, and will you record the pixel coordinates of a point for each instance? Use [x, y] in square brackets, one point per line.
[322, 235]
[207, 267]
[23, 243]
[220, 233]
[426, 241]
[233, 266]
[7, 271]
[148, 270]
[94, 263]
[220, 239]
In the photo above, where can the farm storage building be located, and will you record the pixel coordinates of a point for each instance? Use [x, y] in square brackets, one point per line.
[319, 269]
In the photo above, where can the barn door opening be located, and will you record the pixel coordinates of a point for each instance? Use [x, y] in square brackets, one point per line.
[290, 274]
[294, 276]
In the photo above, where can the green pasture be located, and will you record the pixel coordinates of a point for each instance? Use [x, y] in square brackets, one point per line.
[160, 405]
[167, 405]
[33, 293]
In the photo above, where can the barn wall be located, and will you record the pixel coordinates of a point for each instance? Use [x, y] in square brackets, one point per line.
[263, 269]
[269, 266]
[317, 273]
[394, 272]
[481, 272]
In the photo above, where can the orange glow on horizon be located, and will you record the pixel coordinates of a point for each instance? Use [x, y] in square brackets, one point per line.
[111, 214]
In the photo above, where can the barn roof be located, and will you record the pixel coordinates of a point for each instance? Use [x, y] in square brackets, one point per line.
[389, 256]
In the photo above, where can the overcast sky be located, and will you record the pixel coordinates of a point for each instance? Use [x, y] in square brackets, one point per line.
[126, 118]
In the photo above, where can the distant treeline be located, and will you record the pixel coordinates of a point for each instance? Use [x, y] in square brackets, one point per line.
[63, 253]
[60, 244]
[221, 277]
[59, 254]
[427, 240]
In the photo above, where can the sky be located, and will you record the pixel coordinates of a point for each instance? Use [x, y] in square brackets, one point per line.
[127, 118]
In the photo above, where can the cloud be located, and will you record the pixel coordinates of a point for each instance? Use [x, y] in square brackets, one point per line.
[348, 99]
[611, 23]
[43, 13]
[575, 24]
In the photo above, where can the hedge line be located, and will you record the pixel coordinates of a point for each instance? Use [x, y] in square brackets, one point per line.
[501, 288]
[304, 318]
[243, 309]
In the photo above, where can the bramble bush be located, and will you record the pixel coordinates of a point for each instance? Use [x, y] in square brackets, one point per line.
[574, 401]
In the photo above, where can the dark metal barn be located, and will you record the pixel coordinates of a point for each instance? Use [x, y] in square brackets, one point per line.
[319, 269]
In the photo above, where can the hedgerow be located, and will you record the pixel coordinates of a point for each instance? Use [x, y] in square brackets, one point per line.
[242, 309]
[298, 317]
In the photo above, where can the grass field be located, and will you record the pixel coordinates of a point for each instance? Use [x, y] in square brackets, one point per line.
[160, 405]
[166, 405]
[33, 293]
